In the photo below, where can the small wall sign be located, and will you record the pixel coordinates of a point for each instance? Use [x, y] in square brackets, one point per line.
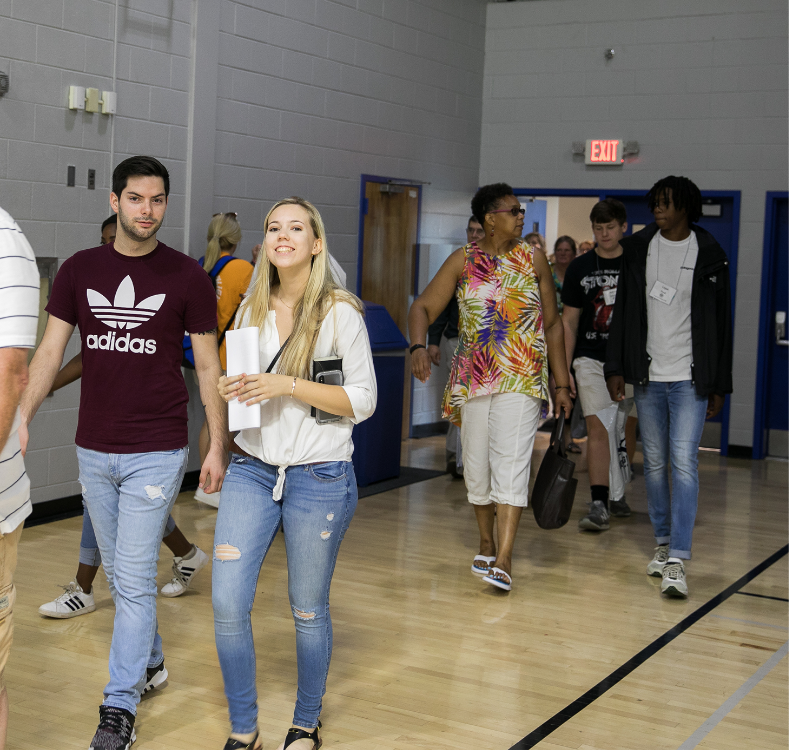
[606, 152]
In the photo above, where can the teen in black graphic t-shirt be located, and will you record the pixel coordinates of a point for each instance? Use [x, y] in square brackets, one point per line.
[590, 285]
[588, 296]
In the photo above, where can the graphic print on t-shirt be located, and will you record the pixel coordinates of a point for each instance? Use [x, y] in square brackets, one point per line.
[602, 319]
[123, 313]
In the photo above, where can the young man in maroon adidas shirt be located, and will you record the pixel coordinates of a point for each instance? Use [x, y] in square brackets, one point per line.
[133, 301]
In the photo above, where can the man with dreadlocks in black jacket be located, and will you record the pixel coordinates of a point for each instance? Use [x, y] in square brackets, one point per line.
[671, 337]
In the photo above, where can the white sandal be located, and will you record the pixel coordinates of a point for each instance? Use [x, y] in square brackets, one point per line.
[493, 581]
[476, 570]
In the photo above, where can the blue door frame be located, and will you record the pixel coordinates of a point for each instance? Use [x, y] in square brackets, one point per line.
[732, 255]
[764, 338]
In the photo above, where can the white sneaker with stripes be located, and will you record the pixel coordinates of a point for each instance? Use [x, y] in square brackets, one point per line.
[71, 603]
[183, 573]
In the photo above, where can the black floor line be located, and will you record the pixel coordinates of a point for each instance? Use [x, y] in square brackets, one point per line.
[542, 731]
[763, 596]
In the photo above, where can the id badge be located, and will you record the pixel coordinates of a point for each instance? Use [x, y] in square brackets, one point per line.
[663, 293]
[610, 296]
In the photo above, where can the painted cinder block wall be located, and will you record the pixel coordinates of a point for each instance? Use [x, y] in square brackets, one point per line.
[45, 46]
[701, 84]
[245, 102]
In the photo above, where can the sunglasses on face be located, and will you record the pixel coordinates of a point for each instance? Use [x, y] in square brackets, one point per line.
[515, 210]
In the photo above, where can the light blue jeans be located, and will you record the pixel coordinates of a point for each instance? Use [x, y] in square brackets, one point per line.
[671, 419]
[89, 549]
[129, 497]
[316, 508]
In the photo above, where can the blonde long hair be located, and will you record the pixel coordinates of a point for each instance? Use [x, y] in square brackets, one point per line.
[319, 296]
[223, 234]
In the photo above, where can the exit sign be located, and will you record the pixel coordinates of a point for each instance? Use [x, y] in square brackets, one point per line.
[606, 152]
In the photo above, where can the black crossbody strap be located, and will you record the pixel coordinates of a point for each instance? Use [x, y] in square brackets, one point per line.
[228, 325]
[275, 358]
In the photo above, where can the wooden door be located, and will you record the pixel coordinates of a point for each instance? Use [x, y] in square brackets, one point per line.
[389, 259]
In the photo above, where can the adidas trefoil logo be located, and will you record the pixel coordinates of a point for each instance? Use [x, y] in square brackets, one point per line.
[123, 313]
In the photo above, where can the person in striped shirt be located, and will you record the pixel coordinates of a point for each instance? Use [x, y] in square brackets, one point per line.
[19, 303]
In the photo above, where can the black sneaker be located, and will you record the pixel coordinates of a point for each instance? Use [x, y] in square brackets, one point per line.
[155, 677]
[597, 519]
[620, 508]
[451, 468]
[116, 730]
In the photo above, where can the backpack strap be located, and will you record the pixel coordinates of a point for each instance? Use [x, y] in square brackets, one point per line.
[219, 266]
[228, 325]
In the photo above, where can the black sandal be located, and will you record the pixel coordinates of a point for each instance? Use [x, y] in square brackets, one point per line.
[232, 744]
[295, 734]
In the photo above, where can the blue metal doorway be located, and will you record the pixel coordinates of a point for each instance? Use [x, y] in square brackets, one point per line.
[722, 221]
[772, 384]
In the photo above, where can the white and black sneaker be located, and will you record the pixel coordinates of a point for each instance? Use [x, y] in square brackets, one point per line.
[184, 570]
[155, 677]
[116, 730]
[597, 519]
[72, 603]
[656, 566]
[674, 580]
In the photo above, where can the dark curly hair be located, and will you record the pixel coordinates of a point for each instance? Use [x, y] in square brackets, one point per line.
[685, 196]
[487, 198]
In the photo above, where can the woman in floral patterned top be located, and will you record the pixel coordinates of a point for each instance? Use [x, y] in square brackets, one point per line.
[510, 331]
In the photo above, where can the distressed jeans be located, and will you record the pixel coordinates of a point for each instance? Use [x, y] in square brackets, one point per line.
[89, 549]
[316, 507]
[129, 497]
[671, 419]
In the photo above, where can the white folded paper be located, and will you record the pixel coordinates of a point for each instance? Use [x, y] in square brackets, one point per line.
[242, 355]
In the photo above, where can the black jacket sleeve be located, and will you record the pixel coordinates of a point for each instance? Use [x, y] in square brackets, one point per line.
[614, 349]
[438, 326]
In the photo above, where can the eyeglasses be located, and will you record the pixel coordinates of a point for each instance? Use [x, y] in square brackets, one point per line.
[514, 211]
[228, 214]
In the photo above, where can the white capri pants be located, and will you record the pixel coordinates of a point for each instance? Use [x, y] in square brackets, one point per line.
[498, 438]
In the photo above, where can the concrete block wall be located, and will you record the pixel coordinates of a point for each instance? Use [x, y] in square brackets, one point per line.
[245, 102]
[701, 84]
[313, 94]
[46, 46]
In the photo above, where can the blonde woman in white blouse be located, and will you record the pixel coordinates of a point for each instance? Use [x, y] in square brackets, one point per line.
[293, 470]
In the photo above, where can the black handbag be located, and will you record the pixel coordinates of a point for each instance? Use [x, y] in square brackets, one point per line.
[554, 488]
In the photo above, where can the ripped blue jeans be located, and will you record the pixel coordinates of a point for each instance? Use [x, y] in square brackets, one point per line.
[129, 497]
[316, 508]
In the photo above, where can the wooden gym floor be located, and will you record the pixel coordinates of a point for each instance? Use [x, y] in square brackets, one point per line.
[427, 656]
